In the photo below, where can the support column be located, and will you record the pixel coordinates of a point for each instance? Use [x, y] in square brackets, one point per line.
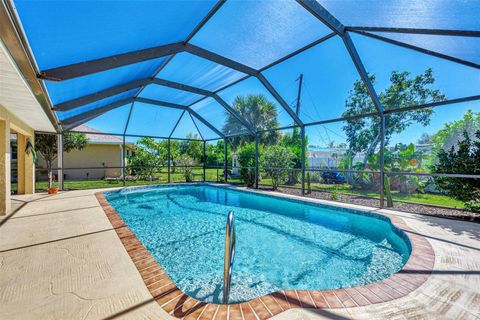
[382, 160]
[302, 130]
[5, 192]
[204, 159]
[25, 167]
[169, 160]
[256, 161]
[21, 155]
[60, 160]
[225, 173]
[123, 163]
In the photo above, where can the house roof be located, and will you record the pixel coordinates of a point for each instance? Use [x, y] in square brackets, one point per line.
[98, 137]
[16, 96]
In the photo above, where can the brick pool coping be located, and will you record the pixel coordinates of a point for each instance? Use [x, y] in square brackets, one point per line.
[178, 304]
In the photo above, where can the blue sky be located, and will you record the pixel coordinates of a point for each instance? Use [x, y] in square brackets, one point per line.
[453, 79]
[254, 33]
[329, 75]
[327, 69]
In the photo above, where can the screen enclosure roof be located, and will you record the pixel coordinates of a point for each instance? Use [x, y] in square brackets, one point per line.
[180, 69]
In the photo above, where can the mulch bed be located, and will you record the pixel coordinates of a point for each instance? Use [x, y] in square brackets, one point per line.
[418, 208]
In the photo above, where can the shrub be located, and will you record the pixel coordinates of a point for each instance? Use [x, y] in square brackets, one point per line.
[150, 155]
[276, 162]
[309, 183]
[334, 195]
[185, 163]
[246, 160]
[464, 159]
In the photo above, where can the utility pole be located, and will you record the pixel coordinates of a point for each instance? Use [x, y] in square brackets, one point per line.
[299, 95]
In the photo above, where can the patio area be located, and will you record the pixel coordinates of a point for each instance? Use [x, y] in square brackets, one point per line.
[60, 257]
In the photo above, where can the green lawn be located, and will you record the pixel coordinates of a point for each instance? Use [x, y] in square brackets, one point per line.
[211, 175]
[432, 199]
[161, 177]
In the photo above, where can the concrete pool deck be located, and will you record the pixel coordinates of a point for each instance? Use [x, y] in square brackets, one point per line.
[60, 258]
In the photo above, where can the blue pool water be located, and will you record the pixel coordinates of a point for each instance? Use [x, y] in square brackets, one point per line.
[281, 244]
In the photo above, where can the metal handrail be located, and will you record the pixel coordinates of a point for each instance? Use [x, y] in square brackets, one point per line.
[230, 239]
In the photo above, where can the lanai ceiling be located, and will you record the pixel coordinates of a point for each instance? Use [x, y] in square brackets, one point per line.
[171, 68]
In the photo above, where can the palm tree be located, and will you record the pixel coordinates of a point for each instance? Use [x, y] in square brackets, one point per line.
[257, 110]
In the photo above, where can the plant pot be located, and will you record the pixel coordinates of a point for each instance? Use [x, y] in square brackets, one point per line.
[52, 190]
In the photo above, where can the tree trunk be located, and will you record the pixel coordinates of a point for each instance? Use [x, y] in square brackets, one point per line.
[349, 175]
[369, 151]
[388, 192]
[49, 172]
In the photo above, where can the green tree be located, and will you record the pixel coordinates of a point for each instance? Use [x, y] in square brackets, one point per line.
[452, 132]
[149, 156]
[246, 160]
[463, 158]
[174, 152]
[275, 160]
[261, 113]
[425, 138]
[400, 158]
[193, 148]
[215, 154]
[46, 145]
[363, 134]
[293, 142]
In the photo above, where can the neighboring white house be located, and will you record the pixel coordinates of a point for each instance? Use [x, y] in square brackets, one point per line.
[328, 158]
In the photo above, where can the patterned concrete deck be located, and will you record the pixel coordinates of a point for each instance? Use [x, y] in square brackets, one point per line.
[60, 258]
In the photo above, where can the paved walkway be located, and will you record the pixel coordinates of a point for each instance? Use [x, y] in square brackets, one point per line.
[61, 259]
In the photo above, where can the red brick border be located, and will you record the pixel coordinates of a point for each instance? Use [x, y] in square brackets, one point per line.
[178, 304]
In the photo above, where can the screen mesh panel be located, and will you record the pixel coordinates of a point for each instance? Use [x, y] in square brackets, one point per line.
[77, 31]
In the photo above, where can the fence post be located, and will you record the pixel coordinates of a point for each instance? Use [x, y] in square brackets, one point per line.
[60, 160]
[169, 160]
[382, 160]
[256, 161]
[225, 174]
[204, 159]
[302, 130]
[124, 161]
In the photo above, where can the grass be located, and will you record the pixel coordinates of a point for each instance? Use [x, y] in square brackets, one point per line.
[423, 198]
[216, 175]
[162, 177]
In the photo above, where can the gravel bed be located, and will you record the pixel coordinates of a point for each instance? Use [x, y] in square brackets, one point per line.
[418, 208]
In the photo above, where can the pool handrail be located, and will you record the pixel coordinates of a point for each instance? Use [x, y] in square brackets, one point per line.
[230, 238]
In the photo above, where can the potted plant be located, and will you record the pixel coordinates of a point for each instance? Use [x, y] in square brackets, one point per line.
[51, 189]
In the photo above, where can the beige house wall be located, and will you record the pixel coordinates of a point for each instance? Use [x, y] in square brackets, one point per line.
[92, 156]
[25, 167]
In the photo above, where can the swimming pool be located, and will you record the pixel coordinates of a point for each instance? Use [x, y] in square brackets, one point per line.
[281, 244]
